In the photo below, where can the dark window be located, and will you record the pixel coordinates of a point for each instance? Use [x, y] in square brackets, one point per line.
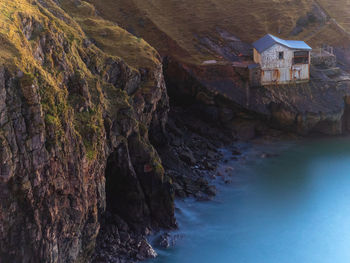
[301, 57]
[281, 55]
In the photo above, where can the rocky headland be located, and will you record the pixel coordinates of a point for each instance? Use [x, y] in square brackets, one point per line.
[100, 132]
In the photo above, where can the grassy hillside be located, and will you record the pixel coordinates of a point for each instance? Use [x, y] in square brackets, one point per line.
[43, 45]
[338, 9]
[176, 26]
[109, 37]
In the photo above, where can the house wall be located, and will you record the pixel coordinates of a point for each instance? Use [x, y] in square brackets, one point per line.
[270, 60]
[257, 57]
[281, 71]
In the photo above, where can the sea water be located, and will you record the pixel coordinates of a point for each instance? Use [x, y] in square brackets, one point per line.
[293, 208]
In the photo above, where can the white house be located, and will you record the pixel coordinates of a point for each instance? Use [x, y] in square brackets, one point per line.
[282, 61]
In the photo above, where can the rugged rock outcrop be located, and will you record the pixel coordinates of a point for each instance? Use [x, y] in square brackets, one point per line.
[71, 119]
[84, 106]
[224, 91]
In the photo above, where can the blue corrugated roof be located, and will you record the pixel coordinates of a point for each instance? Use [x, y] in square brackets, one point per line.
[269, 40]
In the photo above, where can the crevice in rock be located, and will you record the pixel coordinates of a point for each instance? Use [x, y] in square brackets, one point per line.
[181, 89]
[126, 218]
[124, 195]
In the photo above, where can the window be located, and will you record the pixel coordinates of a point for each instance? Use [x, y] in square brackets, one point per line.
[301, 57]
[281, 55]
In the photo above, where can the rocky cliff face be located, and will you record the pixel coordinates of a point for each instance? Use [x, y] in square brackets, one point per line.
[81, 100]
[71, 119]
[320, 106]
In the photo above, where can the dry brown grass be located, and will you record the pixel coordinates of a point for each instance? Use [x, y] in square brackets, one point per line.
[338, 9]
[111, 38]
[330, 35]
[172, 26]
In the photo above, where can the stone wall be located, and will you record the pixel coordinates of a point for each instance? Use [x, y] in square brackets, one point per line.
[323, 59]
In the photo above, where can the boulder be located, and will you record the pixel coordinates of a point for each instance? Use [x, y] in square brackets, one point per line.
[186, 155]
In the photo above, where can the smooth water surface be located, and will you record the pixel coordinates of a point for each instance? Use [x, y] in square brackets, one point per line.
[294, 208]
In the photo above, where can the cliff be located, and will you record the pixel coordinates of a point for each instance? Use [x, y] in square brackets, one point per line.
[318, 107]
[84, 105]
[75, 123]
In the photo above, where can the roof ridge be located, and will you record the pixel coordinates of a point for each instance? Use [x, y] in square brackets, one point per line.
[269, 40]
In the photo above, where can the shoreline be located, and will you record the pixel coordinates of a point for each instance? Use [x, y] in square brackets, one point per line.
[240, 151]
[194, 158]
[235, 158]
[208, 221]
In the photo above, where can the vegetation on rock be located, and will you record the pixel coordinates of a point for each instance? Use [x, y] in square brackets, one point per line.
[74, 90]
[82, 94]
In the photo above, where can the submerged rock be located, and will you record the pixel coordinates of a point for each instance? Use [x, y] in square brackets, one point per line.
[164, 240]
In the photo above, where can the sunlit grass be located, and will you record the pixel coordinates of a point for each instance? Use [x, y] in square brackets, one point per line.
[174, 26]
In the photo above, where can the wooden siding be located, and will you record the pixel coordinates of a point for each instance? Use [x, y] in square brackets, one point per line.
[280, 71]
[257, 57]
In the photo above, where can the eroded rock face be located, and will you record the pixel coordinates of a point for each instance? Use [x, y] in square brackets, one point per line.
[319, 106]
[316, 107]
[52, 195]
[68, 124]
